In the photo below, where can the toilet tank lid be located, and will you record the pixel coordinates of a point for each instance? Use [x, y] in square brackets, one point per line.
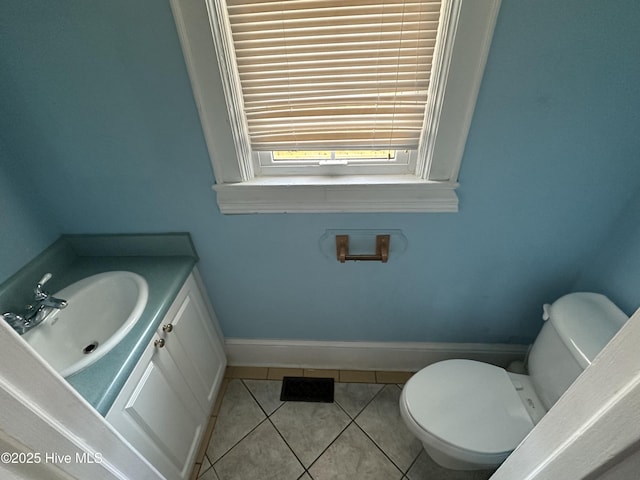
[586, 322]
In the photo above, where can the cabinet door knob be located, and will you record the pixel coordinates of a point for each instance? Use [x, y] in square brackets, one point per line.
[168, 328]
[159, 343]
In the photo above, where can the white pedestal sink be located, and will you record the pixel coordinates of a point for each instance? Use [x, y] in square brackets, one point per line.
[101, 310]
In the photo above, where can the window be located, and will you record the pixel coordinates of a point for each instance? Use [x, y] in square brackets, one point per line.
[375, 98]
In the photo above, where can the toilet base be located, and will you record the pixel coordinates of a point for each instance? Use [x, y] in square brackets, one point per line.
[453, 463]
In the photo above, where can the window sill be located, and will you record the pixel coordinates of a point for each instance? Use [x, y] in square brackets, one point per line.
[401, 193]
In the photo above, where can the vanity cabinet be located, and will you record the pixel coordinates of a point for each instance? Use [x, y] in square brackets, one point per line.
[164, 407]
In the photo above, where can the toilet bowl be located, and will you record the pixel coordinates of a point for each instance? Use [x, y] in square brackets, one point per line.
[471, 415]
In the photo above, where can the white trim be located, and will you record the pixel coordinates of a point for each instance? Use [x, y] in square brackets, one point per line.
[16, 405]
[398, 356]
[225, 53]
[17, 471]
[454, 86]
[284, 195]
[595, 423]
[196, 38]
[453, 113]
[442, 57]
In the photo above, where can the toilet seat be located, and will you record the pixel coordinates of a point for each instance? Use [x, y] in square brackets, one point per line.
[472, 407]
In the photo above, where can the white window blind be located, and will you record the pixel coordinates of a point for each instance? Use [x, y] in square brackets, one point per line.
[322, 74]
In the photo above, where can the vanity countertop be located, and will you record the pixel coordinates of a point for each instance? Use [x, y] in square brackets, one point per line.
[101, 382]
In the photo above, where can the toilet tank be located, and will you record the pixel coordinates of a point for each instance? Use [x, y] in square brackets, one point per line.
[579, 325]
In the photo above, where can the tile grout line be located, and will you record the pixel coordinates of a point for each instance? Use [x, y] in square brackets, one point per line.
[331, 443]
[376, 443]
[305, 468]
[258, 401]
[246, 435]
[352, 420]
[383, 452]
[406, 474]
[369, 402]
[288, 446]
[236, 444]
[273, 425]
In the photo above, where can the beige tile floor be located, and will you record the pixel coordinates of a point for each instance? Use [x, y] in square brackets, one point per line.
[253, 435]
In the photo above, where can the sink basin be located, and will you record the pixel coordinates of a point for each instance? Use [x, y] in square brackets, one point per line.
[101, 310]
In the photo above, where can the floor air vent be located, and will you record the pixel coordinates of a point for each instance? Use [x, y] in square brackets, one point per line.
[304, 389]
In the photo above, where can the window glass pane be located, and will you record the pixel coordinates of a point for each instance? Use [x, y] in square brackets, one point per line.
[302, 155]
[366, 154]
[289, 155]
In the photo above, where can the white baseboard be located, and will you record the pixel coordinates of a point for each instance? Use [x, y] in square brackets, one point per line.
[390, 356]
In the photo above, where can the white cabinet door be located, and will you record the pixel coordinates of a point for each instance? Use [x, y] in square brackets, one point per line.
[164, 407]
[193, 344]
[158, 414]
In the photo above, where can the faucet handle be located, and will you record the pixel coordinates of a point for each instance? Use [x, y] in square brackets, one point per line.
[17, 322]
[38, 292]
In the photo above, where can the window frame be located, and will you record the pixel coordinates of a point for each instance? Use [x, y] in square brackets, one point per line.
[453, 90]
[404, 162]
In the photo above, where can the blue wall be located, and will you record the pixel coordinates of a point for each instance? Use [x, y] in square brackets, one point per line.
[97, 105]
[614, 268]
[25, 228]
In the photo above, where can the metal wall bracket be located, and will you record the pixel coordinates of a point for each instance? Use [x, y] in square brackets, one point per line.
[381, 255]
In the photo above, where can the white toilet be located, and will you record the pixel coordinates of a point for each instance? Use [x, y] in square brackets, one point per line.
[471, 415]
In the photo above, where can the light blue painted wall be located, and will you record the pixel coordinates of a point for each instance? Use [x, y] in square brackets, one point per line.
[97, 103]
[25, 229]
[614, 269]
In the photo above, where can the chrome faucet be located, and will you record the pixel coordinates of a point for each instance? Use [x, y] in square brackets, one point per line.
[38, 312]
